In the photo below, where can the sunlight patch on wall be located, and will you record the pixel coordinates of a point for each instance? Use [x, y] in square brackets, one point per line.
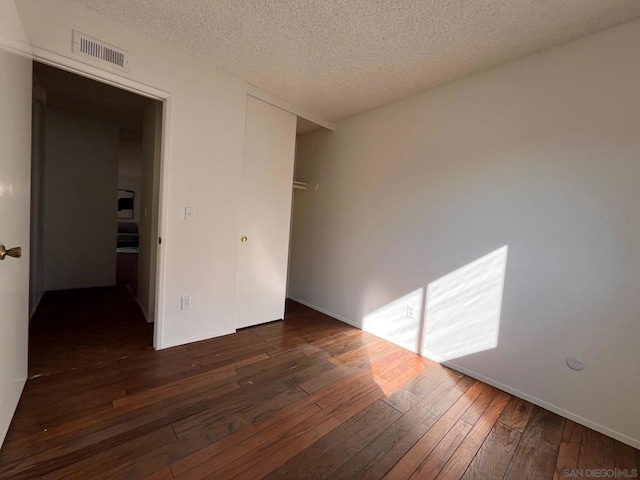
[399, 321]
[463, 309]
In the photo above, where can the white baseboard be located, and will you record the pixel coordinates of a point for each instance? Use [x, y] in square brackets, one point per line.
[548, 406]
[327, 312]
[144, 312]
[36, 305]
[197, 338]
[516, 393]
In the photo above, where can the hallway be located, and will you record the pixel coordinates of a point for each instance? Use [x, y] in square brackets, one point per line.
[76, 329]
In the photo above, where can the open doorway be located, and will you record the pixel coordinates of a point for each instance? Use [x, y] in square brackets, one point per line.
[94, 221]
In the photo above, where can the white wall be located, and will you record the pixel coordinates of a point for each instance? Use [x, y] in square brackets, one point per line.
[204, 134]
[540, 155]
[130, 174]
[148, 226]
[79, 201]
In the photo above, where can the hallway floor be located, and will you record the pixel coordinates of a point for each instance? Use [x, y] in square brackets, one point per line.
[75, 329]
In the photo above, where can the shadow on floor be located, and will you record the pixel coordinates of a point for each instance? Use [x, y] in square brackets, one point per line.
[73, 329]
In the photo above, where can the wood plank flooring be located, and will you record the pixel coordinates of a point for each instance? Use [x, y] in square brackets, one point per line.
[73, 329]
[307, 397]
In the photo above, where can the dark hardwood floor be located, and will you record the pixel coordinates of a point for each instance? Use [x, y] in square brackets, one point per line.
[307, 397]
[76, 329]
[127, 270]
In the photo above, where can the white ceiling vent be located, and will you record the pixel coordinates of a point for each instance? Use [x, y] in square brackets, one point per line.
[90, 47]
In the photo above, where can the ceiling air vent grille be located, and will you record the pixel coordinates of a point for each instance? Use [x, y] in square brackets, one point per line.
[90, 47]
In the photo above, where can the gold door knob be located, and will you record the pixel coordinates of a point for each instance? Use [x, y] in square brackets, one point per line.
[244, 239]
[15, 252]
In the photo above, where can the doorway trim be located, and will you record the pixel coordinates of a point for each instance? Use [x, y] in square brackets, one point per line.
[103, 76]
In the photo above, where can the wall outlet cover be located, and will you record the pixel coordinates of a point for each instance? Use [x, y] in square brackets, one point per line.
[185, 303]
[574, 363]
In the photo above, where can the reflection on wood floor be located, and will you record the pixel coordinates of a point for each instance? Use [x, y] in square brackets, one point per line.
[307, 397]
[74, 329]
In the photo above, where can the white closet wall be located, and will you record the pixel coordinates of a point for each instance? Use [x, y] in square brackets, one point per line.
[270, 135]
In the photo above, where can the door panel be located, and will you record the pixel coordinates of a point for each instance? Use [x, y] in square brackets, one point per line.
[15, 166]
[270, 135]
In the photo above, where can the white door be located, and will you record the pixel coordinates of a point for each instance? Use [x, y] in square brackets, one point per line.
[270, 136]
[15, 170]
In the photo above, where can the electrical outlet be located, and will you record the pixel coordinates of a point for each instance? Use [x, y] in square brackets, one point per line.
[185, 303]
[411, 312]
[575, 363]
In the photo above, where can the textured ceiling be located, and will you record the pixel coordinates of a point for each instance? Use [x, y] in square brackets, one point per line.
[342, 57]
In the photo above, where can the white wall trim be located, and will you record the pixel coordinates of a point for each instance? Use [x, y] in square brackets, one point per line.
[98, 74]
[36, 304]
[163, 215]
[144, 312]
[327, 312]
[346, 320]
[103, 76]
[265, 96]
[516, 393]
[15, 46]
[197, 338]
[548, 406]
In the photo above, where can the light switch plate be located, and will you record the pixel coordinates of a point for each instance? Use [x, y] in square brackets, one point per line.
[189, 214]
